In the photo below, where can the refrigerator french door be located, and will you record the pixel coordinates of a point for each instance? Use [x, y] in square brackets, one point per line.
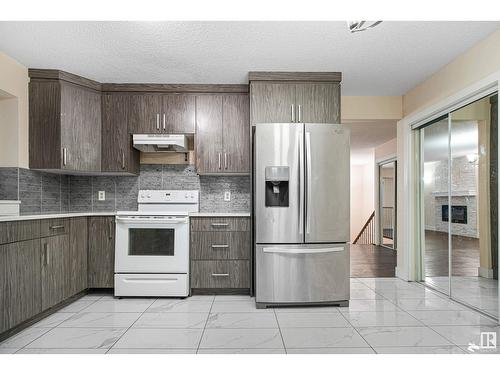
[301, 213]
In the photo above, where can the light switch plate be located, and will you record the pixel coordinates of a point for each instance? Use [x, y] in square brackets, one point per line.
[227, 196]
[102, 195]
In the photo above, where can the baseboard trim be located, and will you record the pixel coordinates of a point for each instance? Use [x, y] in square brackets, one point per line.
[21, 326]
[487, 273]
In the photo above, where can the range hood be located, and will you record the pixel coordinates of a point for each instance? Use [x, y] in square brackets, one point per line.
[160, 142]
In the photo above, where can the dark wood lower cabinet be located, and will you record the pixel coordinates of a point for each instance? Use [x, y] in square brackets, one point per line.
[20, 280]
[78, 245]
[220, 274]
[220, 255]
[101, 255]
[55, 270]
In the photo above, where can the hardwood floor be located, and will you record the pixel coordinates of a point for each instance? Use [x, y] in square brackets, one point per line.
[372, 261]
[465, 255]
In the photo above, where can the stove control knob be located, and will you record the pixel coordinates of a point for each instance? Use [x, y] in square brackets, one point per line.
[149, 195]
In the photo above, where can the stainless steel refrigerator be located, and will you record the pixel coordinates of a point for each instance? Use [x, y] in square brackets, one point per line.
[301, 200]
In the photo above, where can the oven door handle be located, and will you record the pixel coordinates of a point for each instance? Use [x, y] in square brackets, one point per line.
[150, 220]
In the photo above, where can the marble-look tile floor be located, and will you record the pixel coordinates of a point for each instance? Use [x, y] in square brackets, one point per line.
[386, 315]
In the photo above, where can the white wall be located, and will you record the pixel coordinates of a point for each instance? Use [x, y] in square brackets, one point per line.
[362, 194]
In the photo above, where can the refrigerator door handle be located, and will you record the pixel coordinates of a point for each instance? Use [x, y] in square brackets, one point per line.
[285, 250]
[301, 183]
[308, 182]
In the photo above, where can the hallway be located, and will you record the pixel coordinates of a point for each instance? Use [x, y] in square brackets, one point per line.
[372, 261]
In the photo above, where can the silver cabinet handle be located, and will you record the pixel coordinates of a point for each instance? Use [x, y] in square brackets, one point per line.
[293, 112]
[220, 274]
[110, 229]
[123, 160]
[308, 179]
[219, 161]
[164, 121]
[52, 227]
[225, 160]
[46, 253]
[220, 246]
[220, 224]
[157, 121]
[65, 155]
[300, 112]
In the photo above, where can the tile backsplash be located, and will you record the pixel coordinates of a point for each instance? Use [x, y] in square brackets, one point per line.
[41, 192]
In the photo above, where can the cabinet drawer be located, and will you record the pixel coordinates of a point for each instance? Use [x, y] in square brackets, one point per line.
[15, 231]
[54, 227]
[220, 274]
[220, 245]
[220, 224]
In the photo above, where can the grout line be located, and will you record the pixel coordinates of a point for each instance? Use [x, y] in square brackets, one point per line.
[279, 329]
[126, 330]
[50, 328]
[348, 321]
[205, 326]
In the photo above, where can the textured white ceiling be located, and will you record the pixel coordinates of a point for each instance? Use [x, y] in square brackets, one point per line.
[387, 60]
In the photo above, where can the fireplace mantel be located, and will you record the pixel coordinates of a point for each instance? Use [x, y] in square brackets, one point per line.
[460, 193]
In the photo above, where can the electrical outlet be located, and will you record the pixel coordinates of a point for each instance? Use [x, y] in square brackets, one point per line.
[227, 196]
[102, 195]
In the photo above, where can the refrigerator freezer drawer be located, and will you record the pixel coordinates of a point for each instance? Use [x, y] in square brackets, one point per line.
[302, 274]
[151, 285]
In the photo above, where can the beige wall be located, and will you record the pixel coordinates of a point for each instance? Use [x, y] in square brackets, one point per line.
[371, 107]
[386, 150]
[13, 113]
[476, 63]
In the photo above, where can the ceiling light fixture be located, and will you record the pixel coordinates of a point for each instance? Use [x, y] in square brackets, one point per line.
[356, 26]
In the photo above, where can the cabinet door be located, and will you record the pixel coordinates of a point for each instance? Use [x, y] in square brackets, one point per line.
[20, 293]
[236, 134]
[178, 114]
[209, 134]
[145, 114]
[272, 102]
[78, 234]
[118, 154]
[101, 256]
[319, 103]
[55, 270]
[80, 128]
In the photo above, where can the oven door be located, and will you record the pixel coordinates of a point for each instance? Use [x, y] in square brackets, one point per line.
[152, 244]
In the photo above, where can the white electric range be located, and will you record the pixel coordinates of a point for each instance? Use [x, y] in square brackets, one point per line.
[152, 244]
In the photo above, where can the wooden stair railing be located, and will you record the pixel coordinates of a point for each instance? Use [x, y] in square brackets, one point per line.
[367, 234]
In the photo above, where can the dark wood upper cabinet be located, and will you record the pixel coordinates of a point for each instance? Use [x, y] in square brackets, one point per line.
[162, 113]
[272, 102]
[209, 134]
[145, 113]
[319, 102]
[295, 97]
[64, 122]
[178, 114]
[222, 134]
[118, 153]
[236, 125]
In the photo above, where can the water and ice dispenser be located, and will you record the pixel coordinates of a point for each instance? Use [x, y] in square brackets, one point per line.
[277, 179]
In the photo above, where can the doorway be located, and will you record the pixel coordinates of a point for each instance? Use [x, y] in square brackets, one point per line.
[388, 200]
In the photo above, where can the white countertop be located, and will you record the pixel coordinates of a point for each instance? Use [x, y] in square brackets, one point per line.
[54, 216]
[220, 214]
[80, 214]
